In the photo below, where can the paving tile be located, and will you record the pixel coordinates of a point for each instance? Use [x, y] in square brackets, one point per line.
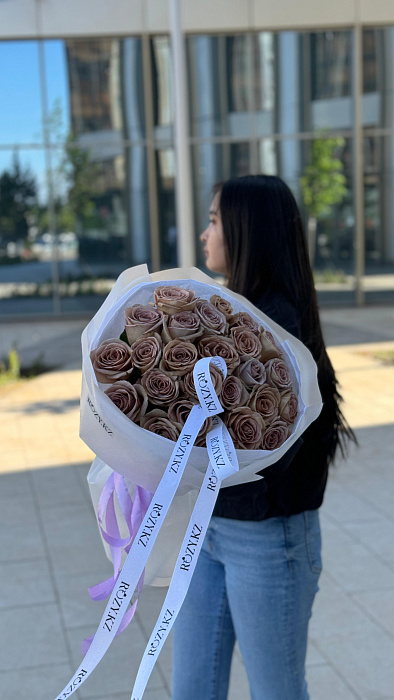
[77, 607]
[73, 539]
[20, 534]
[118, 669]
[313, 656]
[352, 565]
[239, 684]
[27, 581]
[344, 506]
[325, 684]
[57, 485]
[377, 536]
[380, 606]
[31, 637]
[335, 614]
[365, 659]
[34, 683]
[15, 486]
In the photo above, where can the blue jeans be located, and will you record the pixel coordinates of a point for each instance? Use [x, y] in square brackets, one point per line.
[254, 582]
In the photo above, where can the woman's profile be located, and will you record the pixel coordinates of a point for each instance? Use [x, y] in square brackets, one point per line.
[258, 571]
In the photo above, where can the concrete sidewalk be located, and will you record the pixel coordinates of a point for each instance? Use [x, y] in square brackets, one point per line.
[51, 552]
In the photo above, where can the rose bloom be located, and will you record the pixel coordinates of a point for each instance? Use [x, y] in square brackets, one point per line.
[141, 319]
[265, 400]
[224, 347]
[288, 406]
[173, 299]
[178, 412]
[130, 399]
[184, 325]
[146, 352]
[157, 422]
[179, 357]
[270, 348]
[160, 387]
[275, 435]
[278, 373]
[245, 427]
[246, 342]
[188, 387]
[233, 393]
[242, 318]
[251, 372]
[111, 361]
[222, 305]
[211, 318]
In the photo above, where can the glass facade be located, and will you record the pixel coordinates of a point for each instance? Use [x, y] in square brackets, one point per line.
[87, 162]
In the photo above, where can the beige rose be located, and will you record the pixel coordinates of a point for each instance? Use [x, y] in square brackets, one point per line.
[265, 400]
[288, 406]
[211, 318]
[275, 435]
[245, 427]
[146, 352]
[157, 422]
[184, 325]
[188, 387]
[178, 412]
[160, 387]
[172, 299]
[246, 342]
[233, 393]
[270, 348]
[222, 305]
[130, 399]
[112, 361]
[141, 319]
[278, 373]
[179, 357]
[242, 318]
[251, 372]
[224, 347]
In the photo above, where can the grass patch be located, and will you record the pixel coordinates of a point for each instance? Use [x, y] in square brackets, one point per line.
[385, 356]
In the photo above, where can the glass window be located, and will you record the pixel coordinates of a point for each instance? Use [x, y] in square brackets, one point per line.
[213, 163]
[331, 54]
[220, 70]
[263, 95]
[326, 198]
[162, 85]
[165, 169]
[20, 94]
[95, 89]
[378, 100]
[379, 205]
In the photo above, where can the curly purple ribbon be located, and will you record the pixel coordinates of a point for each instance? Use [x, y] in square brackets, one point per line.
[133, 513]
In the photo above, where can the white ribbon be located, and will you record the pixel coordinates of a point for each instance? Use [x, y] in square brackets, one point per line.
[222, 454]
[151, 524]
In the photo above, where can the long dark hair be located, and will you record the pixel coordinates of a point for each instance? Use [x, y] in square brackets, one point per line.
[266, 255]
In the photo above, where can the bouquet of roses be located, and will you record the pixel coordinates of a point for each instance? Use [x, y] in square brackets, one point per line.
[150, 369]
[186, 387]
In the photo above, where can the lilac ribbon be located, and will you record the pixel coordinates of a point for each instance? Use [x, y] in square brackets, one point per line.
[133, 513]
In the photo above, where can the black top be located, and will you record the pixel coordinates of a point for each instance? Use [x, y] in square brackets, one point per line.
[296, 482]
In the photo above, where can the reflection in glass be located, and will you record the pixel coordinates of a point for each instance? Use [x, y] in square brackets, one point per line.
[94, 79]
[333, 244]
[379, 204]
[214, 163]
[165, 168]
[20, 95]
[331, 54]
[162, 82]
[378, 100]
[220, 70]
[263, 99]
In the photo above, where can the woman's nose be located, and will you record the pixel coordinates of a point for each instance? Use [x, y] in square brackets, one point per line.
[203, 235]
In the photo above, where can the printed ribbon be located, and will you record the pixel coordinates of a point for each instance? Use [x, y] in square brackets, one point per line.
[145, 538]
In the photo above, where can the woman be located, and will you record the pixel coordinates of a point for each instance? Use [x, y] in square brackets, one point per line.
[258, 571]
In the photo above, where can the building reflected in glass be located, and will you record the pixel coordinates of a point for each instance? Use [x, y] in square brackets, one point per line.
[87, 162]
